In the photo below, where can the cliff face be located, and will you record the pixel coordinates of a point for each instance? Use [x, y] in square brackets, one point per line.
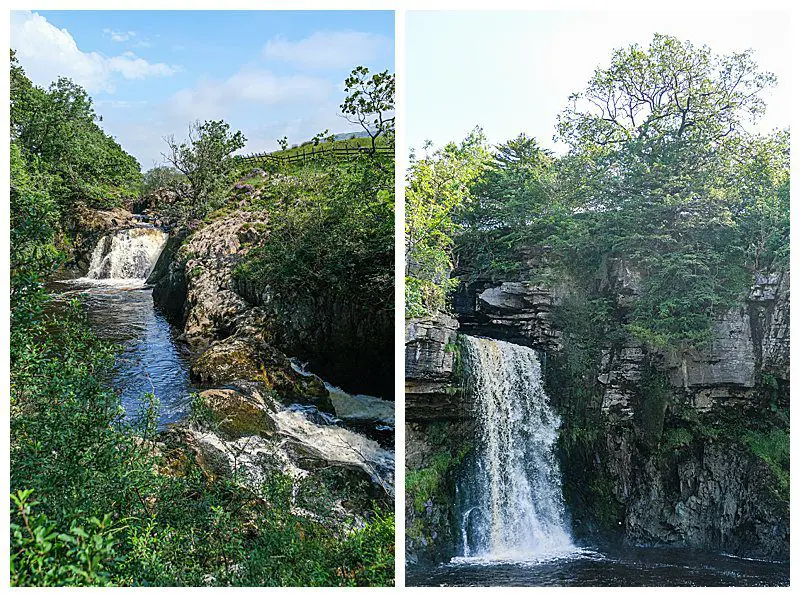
[664, 449]
[438, 427]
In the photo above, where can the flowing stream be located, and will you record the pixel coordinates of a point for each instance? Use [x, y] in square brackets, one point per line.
[119, 308]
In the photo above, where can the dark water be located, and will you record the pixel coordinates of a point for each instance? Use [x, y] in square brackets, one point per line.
[611, 567]
[152, 360]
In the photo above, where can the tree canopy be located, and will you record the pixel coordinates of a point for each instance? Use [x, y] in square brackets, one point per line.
[662, 171]
[206, 161]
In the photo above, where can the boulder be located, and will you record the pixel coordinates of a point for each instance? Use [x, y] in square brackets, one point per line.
[250, 359]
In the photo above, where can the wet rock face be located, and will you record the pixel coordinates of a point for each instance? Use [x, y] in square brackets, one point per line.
[245, 358]
[718, 499]
[242, 429]
[433, 402]
[168, 279]
[430, 528]
[238, 414]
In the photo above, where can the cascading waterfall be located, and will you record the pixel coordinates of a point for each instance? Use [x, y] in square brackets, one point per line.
[127, 254]
[511, 502]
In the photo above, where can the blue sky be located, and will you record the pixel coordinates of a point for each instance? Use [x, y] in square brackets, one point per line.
[512, 72]
[151, 73]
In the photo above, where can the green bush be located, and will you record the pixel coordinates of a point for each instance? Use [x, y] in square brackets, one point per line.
[773, 448]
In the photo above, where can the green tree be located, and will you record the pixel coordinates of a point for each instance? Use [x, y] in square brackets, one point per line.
[514, 199]
[160, 177]
[437, 186]
[370, 103]
[34, 221]
[653, 139]
[207, 163]
[57, 128]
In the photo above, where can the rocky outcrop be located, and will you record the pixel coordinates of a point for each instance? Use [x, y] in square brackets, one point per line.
[244, 357]
[437, 423]
[209, 257]
[430, 357]
[242, 430]
[718, 498]
[519, 312]
[768, 307]
[168, 279]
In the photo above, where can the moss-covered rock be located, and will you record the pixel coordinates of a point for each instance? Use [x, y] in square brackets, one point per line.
[249, 359]
[236, 414]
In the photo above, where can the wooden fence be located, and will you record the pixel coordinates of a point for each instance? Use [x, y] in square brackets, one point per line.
[303, 154]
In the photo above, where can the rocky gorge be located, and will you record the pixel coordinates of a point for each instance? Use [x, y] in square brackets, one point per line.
[654, 448]
[256, 411]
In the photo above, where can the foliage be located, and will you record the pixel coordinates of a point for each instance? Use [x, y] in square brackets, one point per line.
[513, 199]
[678, 437]
[160, 177]
[655, 170]
[428, 484]
[57, 135]
[370, 103]
[661, 176]
[207, 163]
[773, 448]
[34, 221]
[90, 505]
[331, 235]
[437, 186]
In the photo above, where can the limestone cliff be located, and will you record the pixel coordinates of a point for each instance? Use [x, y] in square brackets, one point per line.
[666, 449]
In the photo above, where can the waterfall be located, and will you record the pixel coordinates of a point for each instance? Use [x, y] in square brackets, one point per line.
[127, 254]
[511, 502]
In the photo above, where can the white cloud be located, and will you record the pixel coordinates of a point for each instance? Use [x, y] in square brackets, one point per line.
[329, 49]
[119, 36]
[211, 99]
[47, 52]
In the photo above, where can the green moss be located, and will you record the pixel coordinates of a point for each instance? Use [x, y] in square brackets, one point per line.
[431, 482]
[606, 509]
[458, 365]
[773, 448]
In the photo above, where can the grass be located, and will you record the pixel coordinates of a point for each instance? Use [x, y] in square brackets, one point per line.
[358, 142]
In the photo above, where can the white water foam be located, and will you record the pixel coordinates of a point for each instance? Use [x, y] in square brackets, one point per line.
[126, 255]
